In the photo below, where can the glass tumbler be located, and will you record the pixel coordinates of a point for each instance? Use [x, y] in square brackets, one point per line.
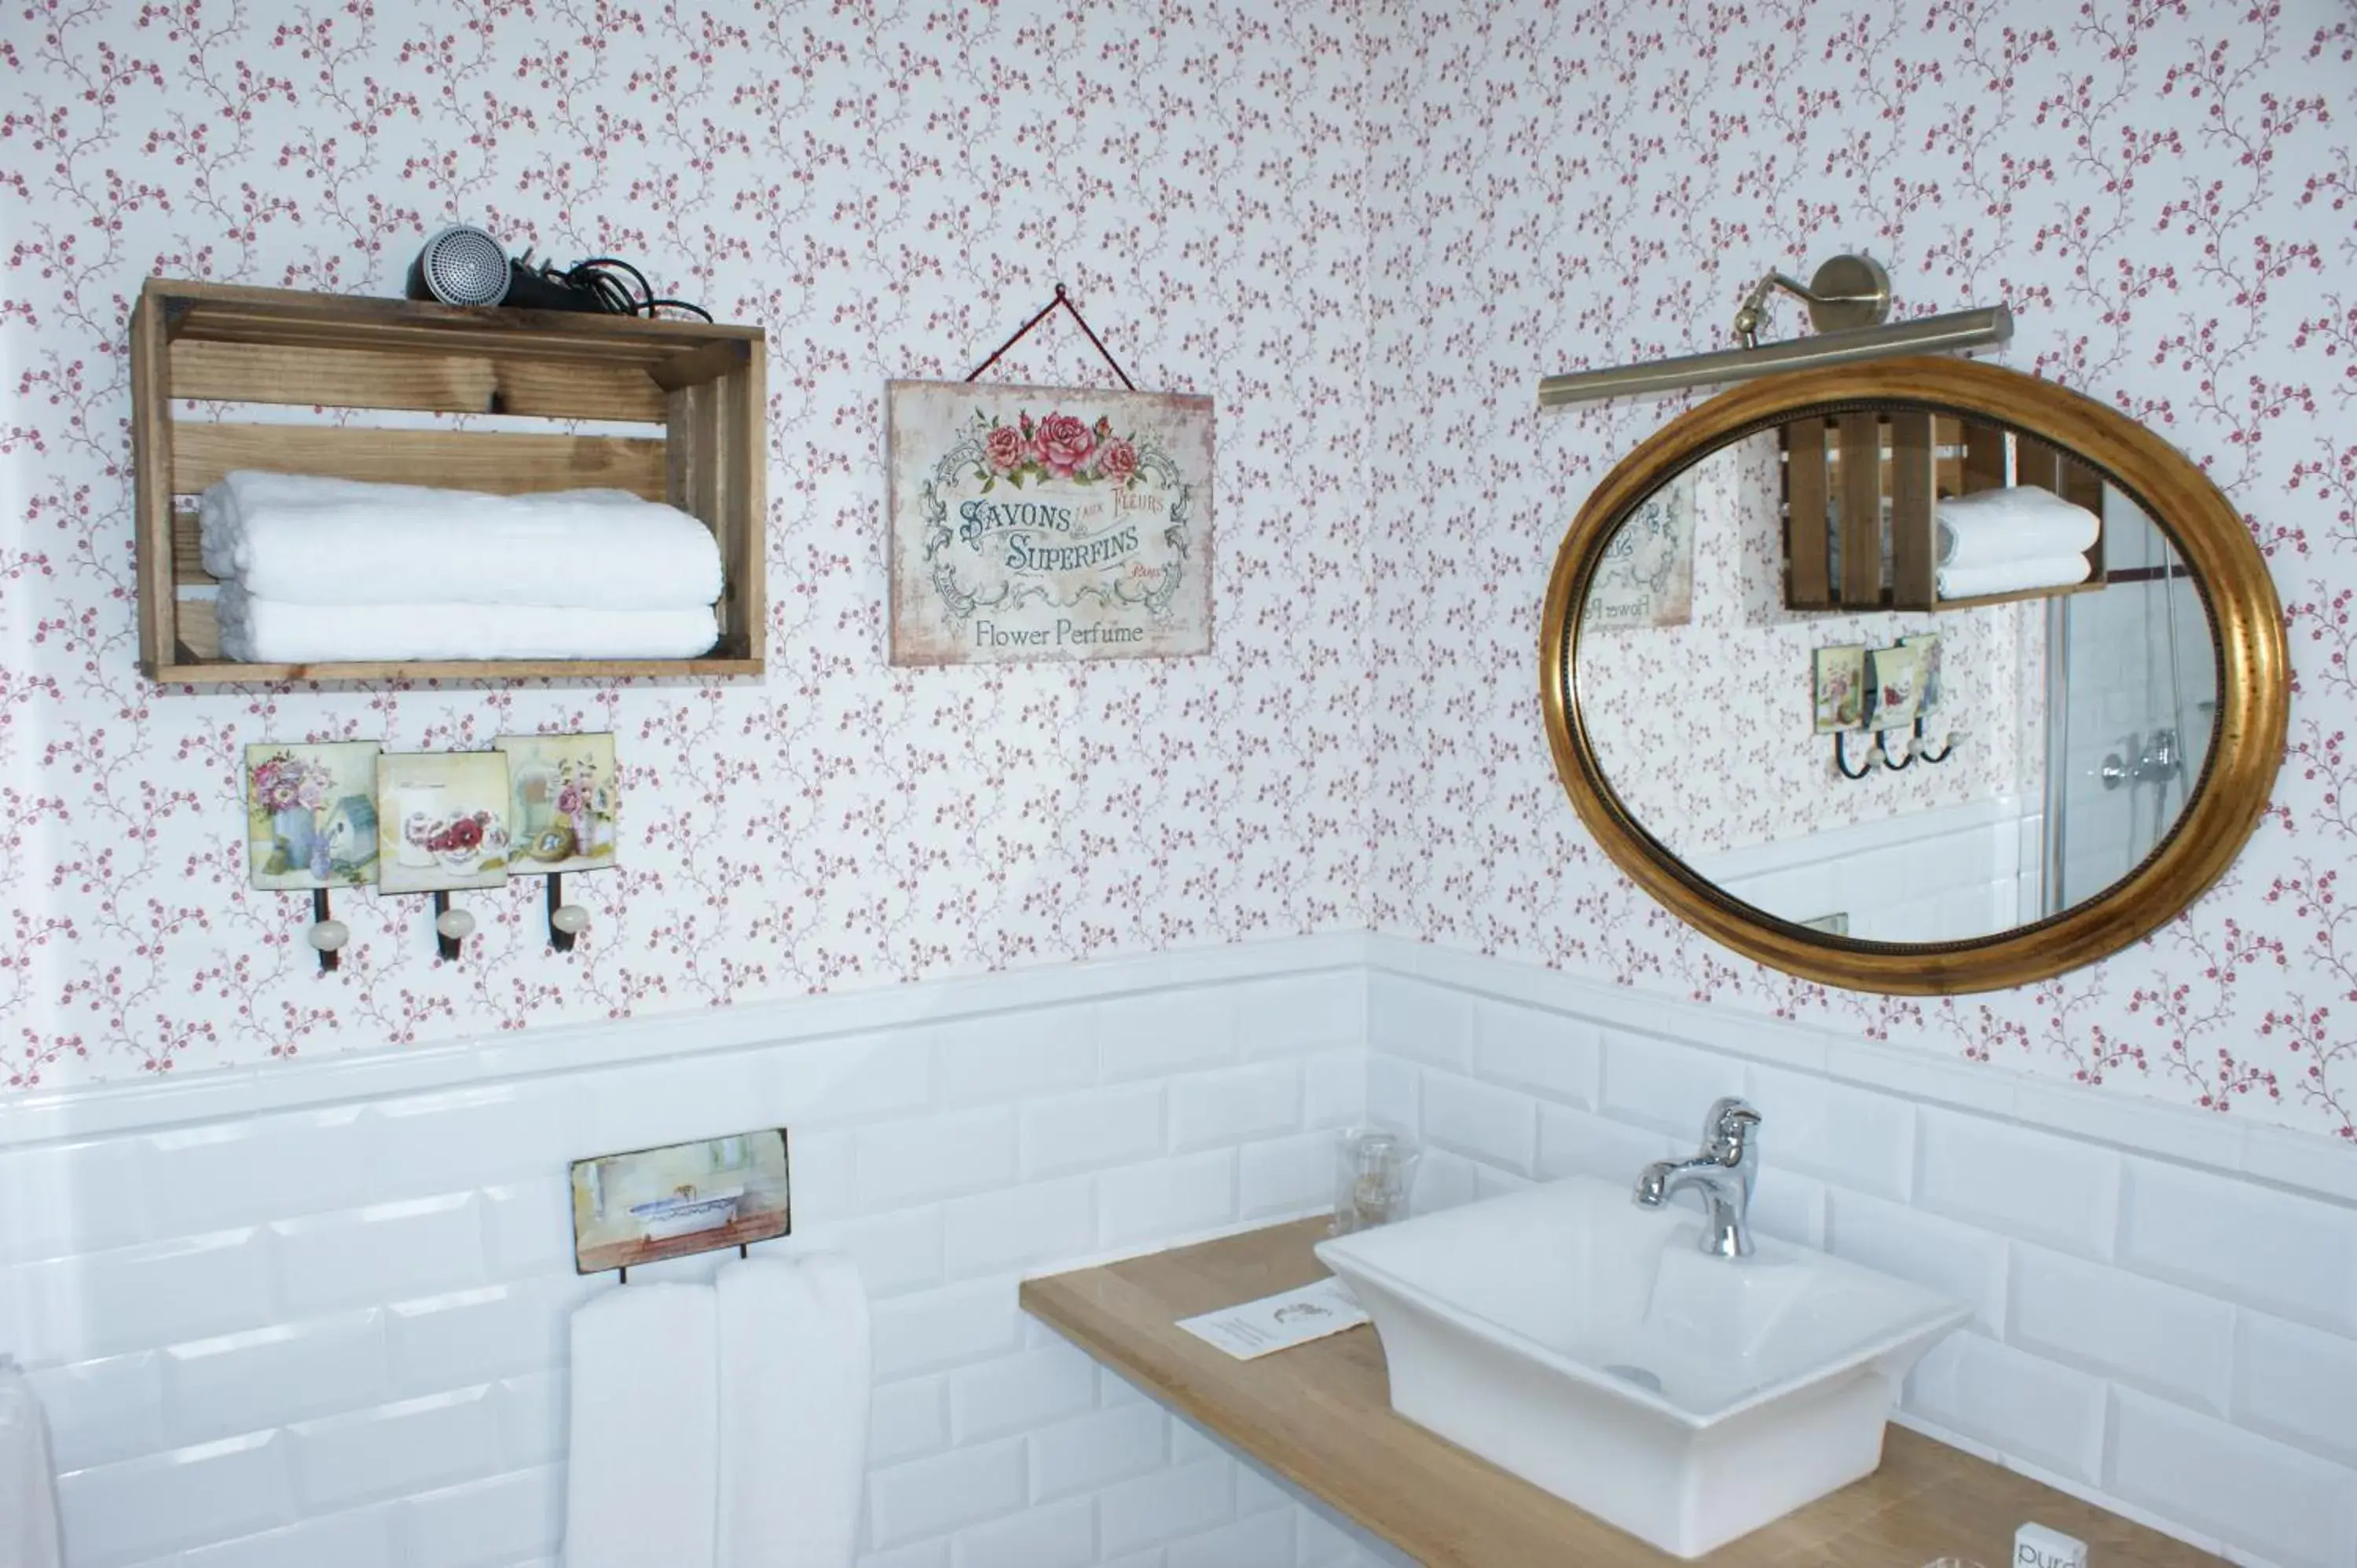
[1374, 1173]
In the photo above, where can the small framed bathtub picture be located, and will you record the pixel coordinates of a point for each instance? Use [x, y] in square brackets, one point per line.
[565, 800]
[1894, 687]
[681, 1198]
[1840, 681]
[310, 814]
[442, 819]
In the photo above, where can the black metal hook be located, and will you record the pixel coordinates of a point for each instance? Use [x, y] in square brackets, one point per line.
[558, 937]
[449, 946]
[328, 934]
[1883, 746]
[1939, 756]
[1841, 757]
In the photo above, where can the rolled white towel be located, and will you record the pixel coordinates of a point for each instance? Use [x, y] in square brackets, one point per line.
[2012, 576]
[256, 630]
[2017, 523]
[794, 1394]
[642, 1479]
[305, 540]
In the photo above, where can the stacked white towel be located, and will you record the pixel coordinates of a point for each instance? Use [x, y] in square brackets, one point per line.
[322, 569]
[2013, 539]
[28, 1498]
[721, 1425]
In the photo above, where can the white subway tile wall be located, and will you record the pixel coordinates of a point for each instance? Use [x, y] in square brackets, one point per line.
[336, 1336]
[2178, 1342]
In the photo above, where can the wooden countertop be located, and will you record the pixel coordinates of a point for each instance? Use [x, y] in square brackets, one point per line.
[1321, 1416]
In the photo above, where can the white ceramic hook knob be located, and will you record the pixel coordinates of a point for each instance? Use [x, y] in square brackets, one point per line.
[570, 919]
[456, 924]
[329, 935]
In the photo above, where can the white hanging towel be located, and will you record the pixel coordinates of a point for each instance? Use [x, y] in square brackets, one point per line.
[2012, 576]
[1990, 528]
[28, 1496]
[642, 1472]
[795, 1391]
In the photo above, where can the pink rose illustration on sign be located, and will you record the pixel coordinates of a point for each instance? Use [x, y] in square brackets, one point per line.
[1005, 448]
[1063, 445]
[1058, 446]
[1117, 460]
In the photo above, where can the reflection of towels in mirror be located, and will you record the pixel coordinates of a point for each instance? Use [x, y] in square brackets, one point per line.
[2020, 522]
[2014, 577]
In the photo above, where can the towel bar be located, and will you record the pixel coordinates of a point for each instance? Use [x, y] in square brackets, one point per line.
[743, 1251]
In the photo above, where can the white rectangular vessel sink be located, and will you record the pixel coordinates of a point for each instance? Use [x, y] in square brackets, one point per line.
[1587, 1346]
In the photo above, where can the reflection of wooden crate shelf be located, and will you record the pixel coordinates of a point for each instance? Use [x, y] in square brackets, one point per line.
[703, 384]
[1978, 600]
[1860, 490]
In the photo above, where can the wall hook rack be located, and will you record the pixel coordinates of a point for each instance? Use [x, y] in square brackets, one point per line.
[1913, 751]
[451, 928]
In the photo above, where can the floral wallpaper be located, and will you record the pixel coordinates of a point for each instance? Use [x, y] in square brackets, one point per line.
[1366, 230]
[889, 188]
[2162, 192]
[1707, 729]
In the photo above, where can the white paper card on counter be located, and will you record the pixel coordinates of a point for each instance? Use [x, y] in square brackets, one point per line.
[1278, 1321]
[2036, 1546]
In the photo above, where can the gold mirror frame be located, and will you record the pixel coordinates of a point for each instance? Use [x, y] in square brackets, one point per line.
[2246, 632]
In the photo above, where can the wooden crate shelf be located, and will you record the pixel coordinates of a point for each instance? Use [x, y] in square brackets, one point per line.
[1842, 475]
[705, 385]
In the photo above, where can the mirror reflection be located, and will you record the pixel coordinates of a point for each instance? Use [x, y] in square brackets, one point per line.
[2018, 748]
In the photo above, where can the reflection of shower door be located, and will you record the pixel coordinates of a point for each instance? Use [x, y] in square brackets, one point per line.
[2132, 687]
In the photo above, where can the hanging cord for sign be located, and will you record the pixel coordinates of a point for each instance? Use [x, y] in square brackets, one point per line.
[1045, 311]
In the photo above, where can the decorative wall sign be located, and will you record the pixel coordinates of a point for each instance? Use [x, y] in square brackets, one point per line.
[1646, 577]
[310, 814]
[442, 819]
[1048, 522]
[1927, 645]
[565, 797]
[1840, 689]
[1894, 678]
[680, 1198]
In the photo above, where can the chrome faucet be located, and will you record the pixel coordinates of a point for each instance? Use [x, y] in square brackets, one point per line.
[1724, 1171]
[2158, 759]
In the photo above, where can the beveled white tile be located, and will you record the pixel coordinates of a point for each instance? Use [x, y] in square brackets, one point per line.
[266, 1377]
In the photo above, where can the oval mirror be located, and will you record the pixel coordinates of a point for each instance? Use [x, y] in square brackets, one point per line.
[1922, 676]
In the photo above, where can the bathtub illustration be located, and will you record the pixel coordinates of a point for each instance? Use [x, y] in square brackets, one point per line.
[687, 1214]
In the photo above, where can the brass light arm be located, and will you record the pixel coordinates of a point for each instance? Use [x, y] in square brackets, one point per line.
[1845, 293]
